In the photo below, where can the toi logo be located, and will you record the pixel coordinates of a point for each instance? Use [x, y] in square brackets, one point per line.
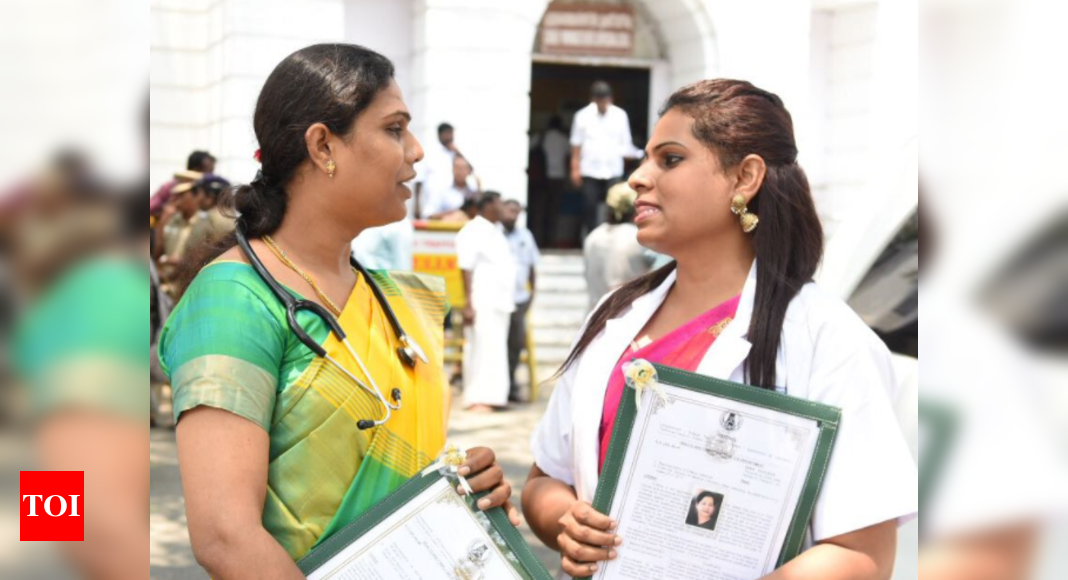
[52, 506]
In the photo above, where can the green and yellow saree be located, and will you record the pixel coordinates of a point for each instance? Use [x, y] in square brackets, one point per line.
[227, 345]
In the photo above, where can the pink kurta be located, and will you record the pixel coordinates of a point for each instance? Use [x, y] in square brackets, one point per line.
[682, 348]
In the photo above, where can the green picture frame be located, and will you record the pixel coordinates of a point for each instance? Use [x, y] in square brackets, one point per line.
[827, 417]
[525, 563]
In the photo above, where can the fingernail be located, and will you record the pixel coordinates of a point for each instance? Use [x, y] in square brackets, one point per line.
[619, 540]
[464, 470]
[483, 503]
[611, 554]
[593, 567]
[460, 490]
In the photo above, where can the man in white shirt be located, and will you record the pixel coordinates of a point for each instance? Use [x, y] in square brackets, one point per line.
[600, 139]
[440, 201]
[434, 172]
[489, 275]
[525, 251]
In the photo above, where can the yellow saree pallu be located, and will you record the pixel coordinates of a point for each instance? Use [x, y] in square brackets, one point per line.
[227, 345]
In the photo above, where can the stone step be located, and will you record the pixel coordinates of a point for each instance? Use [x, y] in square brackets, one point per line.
[559, 310]
[555, 336]
[554, 300]
[568, 319]
[561, 283]
[562, 269]
[564, 264]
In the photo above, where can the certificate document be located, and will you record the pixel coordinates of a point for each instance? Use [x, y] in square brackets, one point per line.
[426, 531]
[711, 480]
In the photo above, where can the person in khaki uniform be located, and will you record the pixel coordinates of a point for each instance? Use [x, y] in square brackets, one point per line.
[174, 233]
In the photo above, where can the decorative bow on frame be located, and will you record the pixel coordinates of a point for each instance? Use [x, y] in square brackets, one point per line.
[448, 463]
[641, 375]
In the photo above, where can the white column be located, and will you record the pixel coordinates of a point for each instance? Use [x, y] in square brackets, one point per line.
[209, 62]
[471, 68]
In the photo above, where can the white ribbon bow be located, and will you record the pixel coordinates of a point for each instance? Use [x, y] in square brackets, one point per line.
[450, 460]
[640, 374]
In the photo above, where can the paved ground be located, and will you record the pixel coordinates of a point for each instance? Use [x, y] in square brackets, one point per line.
[508, 433]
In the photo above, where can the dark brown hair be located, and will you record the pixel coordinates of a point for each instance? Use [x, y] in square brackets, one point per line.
[734, 119]
[323, 83]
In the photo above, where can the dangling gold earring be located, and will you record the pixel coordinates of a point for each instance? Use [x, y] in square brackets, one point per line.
[330, 167]
[749, 220]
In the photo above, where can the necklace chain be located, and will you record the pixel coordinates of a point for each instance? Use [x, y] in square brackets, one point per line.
[282, 257]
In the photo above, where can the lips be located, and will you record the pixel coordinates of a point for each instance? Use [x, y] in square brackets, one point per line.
[644, 209]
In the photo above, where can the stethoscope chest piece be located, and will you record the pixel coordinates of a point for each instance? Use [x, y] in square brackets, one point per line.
[409, 350]
[407, 356]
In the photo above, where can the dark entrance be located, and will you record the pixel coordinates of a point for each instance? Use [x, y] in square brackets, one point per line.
[555, 206]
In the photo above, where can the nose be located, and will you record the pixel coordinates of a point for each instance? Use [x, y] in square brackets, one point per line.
[639, 181]
[415, 153]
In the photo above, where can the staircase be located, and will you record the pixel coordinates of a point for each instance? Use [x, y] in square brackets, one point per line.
[560, 307]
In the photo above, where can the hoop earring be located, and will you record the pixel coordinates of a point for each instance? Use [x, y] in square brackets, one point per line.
[748, 220]
[330, 167]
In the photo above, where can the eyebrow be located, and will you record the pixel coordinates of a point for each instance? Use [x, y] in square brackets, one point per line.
[404, 114]
[664, 144]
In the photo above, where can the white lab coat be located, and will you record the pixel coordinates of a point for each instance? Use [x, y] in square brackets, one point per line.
[827, 354]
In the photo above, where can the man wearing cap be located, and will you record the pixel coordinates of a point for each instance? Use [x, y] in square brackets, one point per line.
[613, 254]
[177, 221]
[199, 162]
[600, 139]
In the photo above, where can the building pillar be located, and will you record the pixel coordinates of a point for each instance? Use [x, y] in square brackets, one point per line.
[471, 66]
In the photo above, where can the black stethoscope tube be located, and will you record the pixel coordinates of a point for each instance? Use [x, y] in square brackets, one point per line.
[293, 305]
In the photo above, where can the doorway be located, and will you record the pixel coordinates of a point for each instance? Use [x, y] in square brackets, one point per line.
[559, 90]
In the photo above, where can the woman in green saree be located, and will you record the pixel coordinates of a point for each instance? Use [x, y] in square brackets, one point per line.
[271, 456]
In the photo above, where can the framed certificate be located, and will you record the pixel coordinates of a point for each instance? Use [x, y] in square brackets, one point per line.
[426, 531]
[710, 479]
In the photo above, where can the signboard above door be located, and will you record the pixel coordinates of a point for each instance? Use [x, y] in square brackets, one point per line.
[587, 30]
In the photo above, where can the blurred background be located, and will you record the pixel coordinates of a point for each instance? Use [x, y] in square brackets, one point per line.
[988, 421]
[74, 109]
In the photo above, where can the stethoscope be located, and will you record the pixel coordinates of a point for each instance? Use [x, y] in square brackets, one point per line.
[408, 351]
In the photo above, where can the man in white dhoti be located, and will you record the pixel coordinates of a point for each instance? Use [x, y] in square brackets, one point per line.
[489, 273]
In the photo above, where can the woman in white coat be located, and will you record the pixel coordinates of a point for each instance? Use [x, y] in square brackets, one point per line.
[721, 192]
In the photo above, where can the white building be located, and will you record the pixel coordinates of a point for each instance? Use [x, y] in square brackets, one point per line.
[845, 68]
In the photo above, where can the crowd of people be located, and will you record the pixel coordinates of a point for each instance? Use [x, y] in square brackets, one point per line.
[496, 255]
[492, 249]
[184, 215]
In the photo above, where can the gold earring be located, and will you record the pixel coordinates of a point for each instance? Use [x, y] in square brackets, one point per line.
[330, 167]
[748, 220]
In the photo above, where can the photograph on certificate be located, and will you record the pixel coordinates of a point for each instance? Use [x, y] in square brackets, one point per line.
[704, 509]
[712, 482]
